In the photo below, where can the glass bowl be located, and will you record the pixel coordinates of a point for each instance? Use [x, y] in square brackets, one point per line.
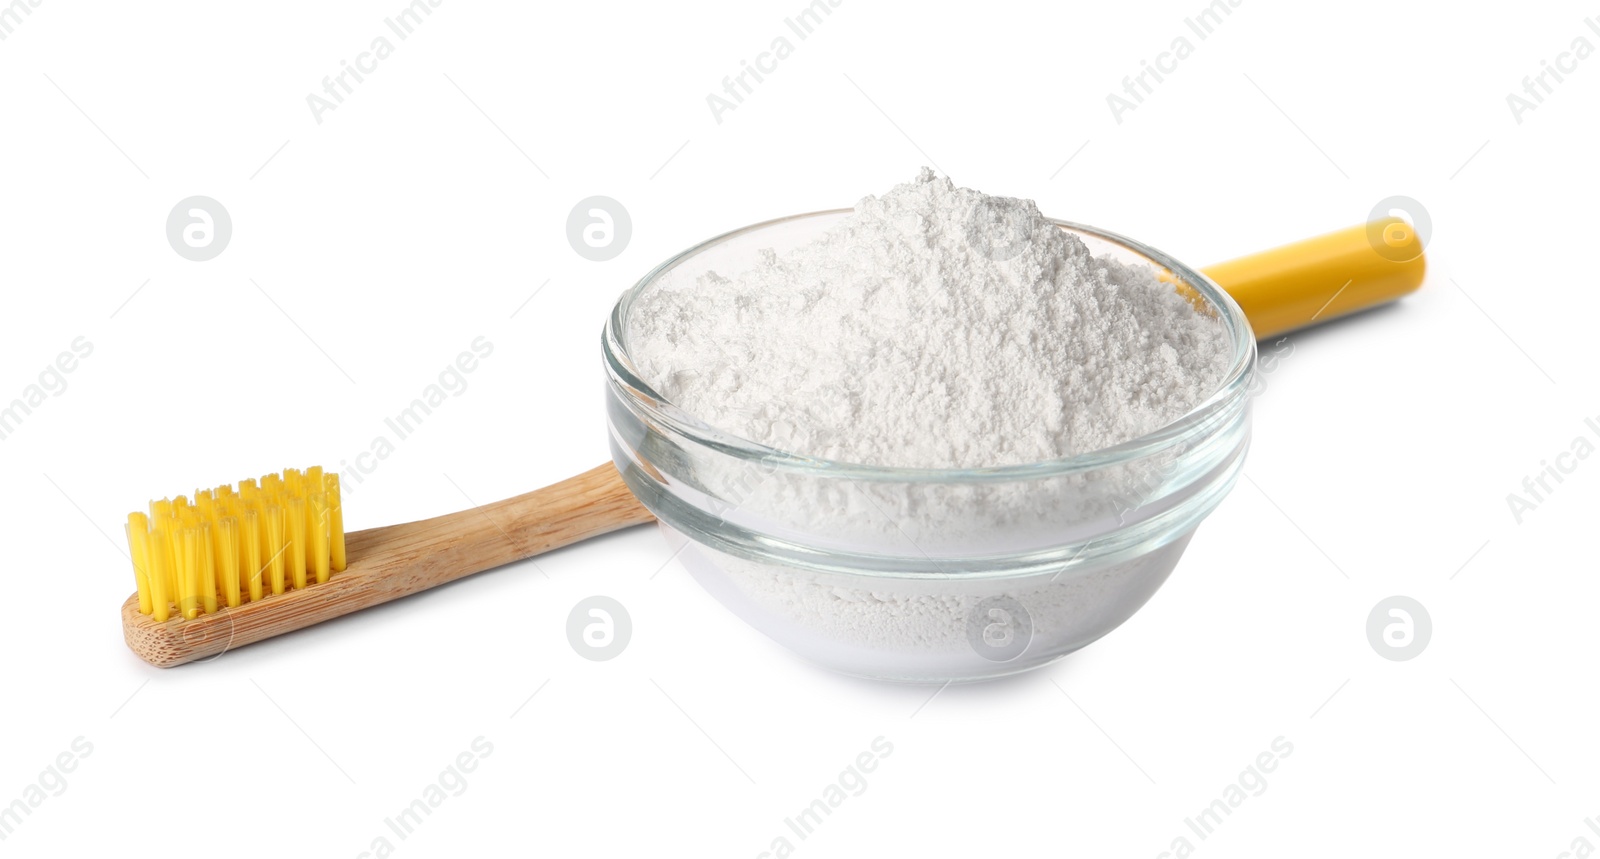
[915, 574]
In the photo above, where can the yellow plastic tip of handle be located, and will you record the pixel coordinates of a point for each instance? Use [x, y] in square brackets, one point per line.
[1325, 277]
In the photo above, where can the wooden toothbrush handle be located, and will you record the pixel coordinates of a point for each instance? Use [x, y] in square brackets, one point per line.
[398, 560]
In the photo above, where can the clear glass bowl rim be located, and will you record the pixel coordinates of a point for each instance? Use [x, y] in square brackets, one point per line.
[651, 404]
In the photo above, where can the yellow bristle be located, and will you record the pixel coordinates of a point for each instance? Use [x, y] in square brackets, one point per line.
[316, 516]
[139, 550]
[228, 560]
[307, 547]
[208, 569]
[275, 546]
[235, 545]
[297, 540]
[170, 531]
[213, 536]
[319, 535]
[175, 574]
[189, 573]
[250, 552]
[336, 556]
[160, 570]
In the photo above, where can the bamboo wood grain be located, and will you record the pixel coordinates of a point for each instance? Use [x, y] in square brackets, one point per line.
[398, 560]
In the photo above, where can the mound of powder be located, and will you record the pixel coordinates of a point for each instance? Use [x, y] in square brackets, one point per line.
[934, 327]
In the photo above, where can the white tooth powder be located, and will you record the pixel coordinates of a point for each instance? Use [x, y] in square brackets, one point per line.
[935, 327]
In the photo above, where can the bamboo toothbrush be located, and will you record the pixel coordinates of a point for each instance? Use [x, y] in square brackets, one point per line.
[237, 565]
[198, 597]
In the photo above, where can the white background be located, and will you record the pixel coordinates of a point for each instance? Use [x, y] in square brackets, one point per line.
[425, 211]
